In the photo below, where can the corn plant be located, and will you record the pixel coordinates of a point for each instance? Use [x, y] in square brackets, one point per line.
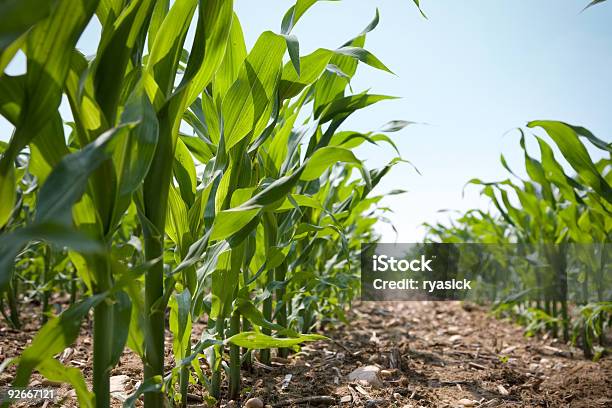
[559, 211]
[200, 180]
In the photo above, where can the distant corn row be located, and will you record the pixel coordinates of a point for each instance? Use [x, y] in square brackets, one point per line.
[197, 181]
[558, 212]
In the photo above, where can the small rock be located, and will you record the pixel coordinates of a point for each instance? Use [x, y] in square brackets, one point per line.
[346, 399]
[373, 403]
[254, 403]
[118, 383]
[545, 361]
[455, 338]
[367, 375]
[464, 402]
[502, 390]
[397, 396]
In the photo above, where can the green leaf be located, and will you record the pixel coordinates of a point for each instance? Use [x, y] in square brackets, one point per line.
[180, 322]
[238, 112]
[49, 50]
[122, 311]
[210, 43]
[301, 200]
[324, 158]
[53, 338]
[114, 52]
[8, 191]
[253, 340]
[152, 384]
[18, 16]
[255, 316]
[347, 105]
[293, 46]
[576, 155]
[295, 12]
[13, 242]
[228, 222]
[168, 44]
[248, 102]
[140, 147]
[417, 3]
[185, 172]
[67, 183]
[593, 3]
[396, 125]
[235, 54]
[364, 56]
[53, 370]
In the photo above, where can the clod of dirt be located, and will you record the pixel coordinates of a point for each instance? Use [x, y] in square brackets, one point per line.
[254, 403]
[367, 375]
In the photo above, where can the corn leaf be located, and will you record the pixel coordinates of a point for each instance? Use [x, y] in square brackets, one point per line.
[253, 340]
[324, 158]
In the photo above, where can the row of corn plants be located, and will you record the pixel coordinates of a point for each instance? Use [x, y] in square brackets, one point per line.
[560, 212]
[194, 181]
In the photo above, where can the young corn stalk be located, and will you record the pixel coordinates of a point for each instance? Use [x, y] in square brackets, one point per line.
[560, 214]
[228, 204]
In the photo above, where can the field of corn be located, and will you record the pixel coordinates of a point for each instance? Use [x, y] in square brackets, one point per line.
[206, 208]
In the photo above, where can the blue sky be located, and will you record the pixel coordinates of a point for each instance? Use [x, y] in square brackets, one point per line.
[473, 71]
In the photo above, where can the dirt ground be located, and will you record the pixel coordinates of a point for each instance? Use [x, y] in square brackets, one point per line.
[430, 354]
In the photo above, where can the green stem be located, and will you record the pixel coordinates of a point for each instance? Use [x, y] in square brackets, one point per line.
[11, 294]
[215, 382]
[45, 277]
[154, 343]
[155, 193]
[102, 335]
[234, 388]
[73, 287]
[281, 317]
[264, 355]
[184, 377]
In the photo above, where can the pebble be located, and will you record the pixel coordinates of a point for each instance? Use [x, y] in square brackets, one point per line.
[346, 399]
[397, 396]
[254, 403]
[118, 383]
[455, 338]
[502, 390]
[368, 375]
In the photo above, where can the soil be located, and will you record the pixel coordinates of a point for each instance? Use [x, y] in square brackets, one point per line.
[432, 354]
